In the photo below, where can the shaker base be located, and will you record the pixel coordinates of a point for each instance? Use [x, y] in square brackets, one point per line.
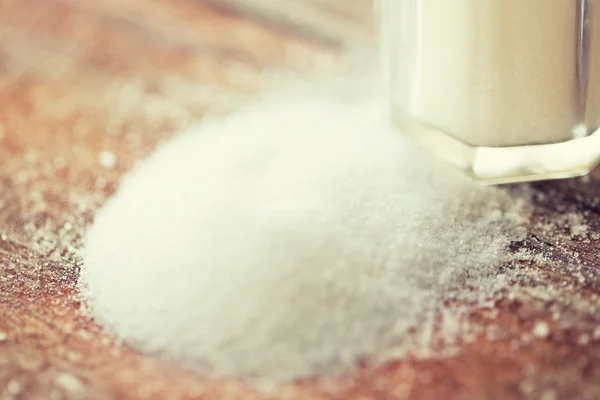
[501, 165]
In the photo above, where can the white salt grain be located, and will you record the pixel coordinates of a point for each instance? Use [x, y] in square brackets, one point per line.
[289, 239]
[14, 387]
[576, 224]
[541, 329]
[69, 382]
[107, 159]
[548, 394]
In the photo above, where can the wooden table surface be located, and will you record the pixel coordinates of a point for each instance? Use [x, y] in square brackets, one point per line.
[81, 78]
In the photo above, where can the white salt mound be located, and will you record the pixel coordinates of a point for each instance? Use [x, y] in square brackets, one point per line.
[291, 238]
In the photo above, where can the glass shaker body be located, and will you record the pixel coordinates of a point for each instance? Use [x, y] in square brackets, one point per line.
[505, 90]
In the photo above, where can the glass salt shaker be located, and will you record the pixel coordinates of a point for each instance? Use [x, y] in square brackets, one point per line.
[504, 90]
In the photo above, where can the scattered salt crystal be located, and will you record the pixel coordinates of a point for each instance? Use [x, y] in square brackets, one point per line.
[576, 224]
[583, 339]
[85, 335]
[292, 238]
[55, 256]
[107, 159]
[74, 357]
[493, 332]
[541, 329]
[100, 183]
[556, 316]
[14, 387]
[548, 394]
[527, 386]
[31, 156]
[69, 382]
[469, 337]
[3, 237]
[59, 162]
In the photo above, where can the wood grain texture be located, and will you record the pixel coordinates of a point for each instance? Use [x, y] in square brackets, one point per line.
[79, 77]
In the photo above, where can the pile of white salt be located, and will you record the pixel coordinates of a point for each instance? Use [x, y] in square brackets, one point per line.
[290, 238]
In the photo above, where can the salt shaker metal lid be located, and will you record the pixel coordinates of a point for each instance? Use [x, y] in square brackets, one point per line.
[505, 90]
